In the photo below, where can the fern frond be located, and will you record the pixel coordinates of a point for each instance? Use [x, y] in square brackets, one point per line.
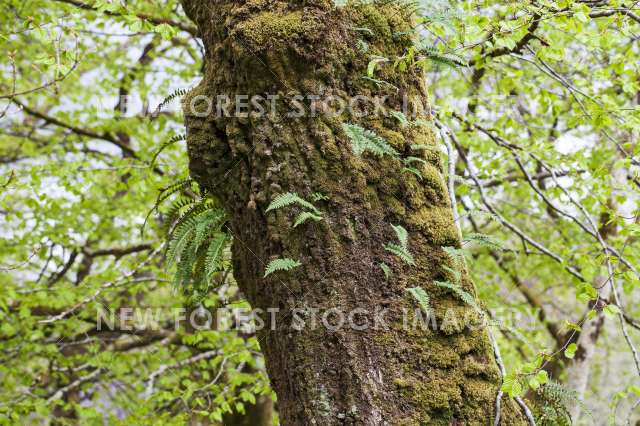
[178, 93]
[414, 171]
[289, 198]
[214, 254]
[462, 294]
[387, 271]
[422, 298]
[457, 275]
[172, 141]
[434, 55]
[163, 195]
[404, 121]
[402, 234]
[281, 265]
[401, 252]
[304, 216]
[363, 140]
[456, 254]
[483, 240]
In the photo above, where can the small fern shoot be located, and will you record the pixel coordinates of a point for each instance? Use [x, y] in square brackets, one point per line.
[363, 140]
[401, 250]
[281, 265]
[304, 216]
[289, 198]
[422, 298]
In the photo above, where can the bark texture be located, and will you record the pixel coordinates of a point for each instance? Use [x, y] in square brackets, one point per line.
[393, 376]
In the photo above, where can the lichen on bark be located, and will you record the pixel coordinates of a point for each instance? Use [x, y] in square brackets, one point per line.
[398, 375]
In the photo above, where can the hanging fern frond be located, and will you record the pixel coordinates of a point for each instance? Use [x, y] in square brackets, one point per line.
[414, 171]
[456, 254]
[462, 294]
[163, 195]
[555, 404]
[304, 216]
[387, 271]
[401, 250]
[422, 298]
[402, 234]
[178, 93]
[363, 140]
[483, 240]
[214, 254]
[167, 144]
[289, 198]
[281, 265]
[434, 55]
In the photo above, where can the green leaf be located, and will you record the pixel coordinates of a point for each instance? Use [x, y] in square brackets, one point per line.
[570, 352]
[289, 198]
[281, 265]
[422, 298]
[304, 216]
[611, 310]
[363, 140]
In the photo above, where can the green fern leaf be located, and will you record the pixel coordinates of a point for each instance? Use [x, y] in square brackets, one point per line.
[304, 216]
[401, 252]
[387, 271]
[363, 140]
[167, 144]
[483, 240]
[281, 265]
[214, 254]
[289, 198]
[402, 234]
[422, 298]
[412, 170]
[463, 295]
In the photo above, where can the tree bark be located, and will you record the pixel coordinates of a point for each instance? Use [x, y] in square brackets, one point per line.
[393, 375]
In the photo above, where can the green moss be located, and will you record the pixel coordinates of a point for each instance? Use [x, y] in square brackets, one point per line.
[437, 224]
[272, 30]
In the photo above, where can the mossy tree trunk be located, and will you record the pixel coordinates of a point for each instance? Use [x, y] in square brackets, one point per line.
[375, 376]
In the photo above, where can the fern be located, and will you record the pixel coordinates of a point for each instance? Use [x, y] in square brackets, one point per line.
[413, 170]
[422, 298]
[402, 234]
[178, 93]
[483, 240]
[214, 254]
[403, 254]
[462, 294]
[401, 250]
[555, 401]
[363, 140]
[434, 55]
[196, 242]
[167, 144]
[163, 195]
[404, 121]
[281, 265]
[387, 271]
[288, 199]
[304, 216]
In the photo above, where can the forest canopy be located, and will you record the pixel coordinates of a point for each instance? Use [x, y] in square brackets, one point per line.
[187, 188]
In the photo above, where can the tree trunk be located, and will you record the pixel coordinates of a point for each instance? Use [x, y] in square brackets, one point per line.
[393, 375]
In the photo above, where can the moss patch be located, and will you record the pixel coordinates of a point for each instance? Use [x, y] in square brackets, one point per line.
[272, 30]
